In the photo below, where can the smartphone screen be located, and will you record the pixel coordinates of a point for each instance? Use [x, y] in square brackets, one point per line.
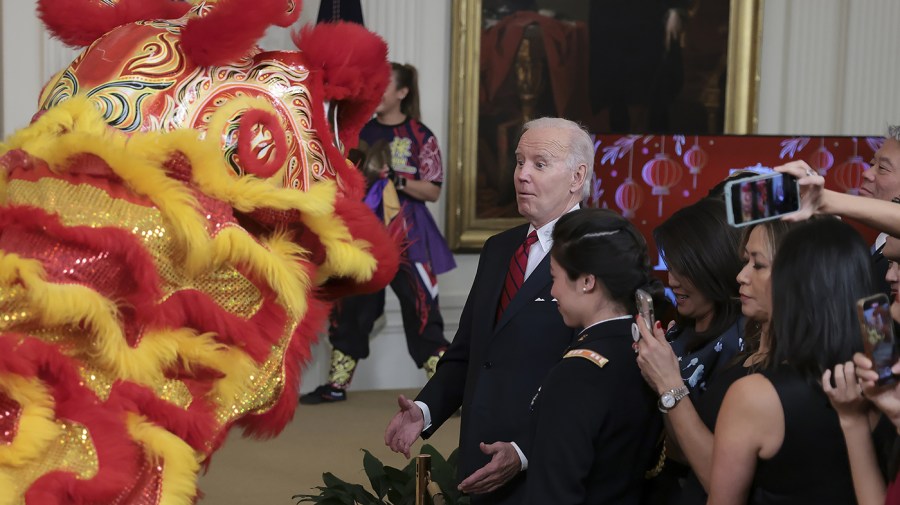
[644, 303]
[761, 198]
[878, 335]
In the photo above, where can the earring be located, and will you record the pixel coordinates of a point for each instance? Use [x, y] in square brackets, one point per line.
[584, 290]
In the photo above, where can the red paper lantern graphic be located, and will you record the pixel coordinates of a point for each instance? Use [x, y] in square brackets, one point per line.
[848, 174]
[695, 159]
[629, 197]
[661, 173]
[821, 160]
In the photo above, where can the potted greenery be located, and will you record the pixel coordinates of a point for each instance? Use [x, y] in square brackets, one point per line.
[390, 486]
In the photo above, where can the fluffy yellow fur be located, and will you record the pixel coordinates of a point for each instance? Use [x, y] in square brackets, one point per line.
[277, 262]
[345, 257]
[76, 127]
[36, 426]
[8, 489]
[215, 178]
[235, 364]
[3, 194]
[180, 463]
[158, 350]
[57, 305]
[76, 114]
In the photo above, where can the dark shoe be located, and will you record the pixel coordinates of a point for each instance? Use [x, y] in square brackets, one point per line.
[325, 393]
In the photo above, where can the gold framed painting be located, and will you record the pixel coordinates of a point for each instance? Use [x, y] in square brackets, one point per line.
[688, 67]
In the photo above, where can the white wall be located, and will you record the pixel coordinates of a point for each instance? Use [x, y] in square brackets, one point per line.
[827, 67]
[830, 67]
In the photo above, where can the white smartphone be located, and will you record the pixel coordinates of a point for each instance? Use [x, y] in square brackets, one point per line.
[761, 198]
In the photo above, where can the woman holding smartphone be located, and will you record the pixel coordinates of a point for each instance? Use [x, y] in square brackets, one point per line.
[691, 423]
[859, 415]
[699, 249]
[775, 430]
[594, 421]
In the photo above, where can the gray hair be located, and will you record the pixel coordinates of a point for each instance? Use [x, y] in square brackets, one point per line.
[581, 147]
[893, 132]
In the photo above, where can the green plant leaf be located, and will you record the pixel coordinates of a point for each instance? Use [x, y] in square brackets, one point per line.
[376, 472]
[396, 486]
[332, 481]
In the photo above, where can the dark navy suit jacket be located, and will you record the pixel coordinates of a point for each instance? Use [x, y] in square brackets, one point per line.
[494, 370]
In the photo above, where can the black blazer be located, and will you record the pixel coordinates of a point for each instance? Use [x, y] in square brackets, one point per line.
[593, 429]
[493, 371]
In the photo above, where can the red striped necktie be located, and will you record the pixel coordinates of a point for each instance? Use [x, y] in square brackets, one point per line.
[515, 276]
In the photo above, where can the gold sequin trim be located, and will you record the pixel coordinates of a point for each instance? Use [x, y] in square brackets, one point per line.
[73, 451]
[226, 285]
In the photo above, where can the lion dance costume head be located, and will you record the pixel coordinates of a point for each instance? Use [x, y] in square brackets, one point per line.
[173, 225]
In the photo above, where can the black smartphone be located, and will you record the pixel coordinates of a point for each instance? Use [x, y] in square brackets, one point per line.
[874, 313]
[644, 303]
[761, 198]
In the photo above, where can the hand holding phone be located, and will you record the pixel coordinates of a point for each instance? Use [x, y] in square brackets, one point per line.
[761, 198]
[877, 330]
[644, 303]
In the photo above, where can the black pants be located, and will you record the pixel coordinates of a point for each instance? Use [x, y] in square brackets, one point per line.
[353, 317]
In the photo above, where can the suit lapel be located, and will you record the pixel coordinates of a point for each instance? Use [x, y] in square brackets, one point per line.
[538, 280]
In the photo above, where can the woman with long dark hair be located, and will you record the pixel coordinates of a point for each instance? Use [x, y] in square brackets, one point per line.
[776, 432]
[700, 251]
[691, 423]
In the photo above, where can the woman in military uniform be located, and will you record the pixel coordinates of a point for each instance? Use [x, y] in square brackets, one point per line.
[594, 421]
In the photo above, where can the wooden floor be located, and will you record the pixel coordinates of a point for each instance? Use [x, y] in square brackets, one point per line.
[321, 438]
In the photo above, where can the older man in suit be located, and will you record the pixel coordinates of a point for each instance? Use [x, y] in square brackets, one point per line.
[510, 332]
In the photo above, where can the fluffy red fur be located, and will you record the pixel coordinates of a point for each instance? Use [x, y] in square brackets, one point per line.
[230, 31]
[354, 70]
[79, 23]
[118, 456]
[275, 419]
[142, 279]
[364, 225]
[196, 425]
[190, 308]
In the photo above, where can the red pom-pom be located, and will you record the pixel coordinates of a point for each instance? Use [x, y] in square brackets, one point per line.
[231, 29]
[79, 23]
[353, 67]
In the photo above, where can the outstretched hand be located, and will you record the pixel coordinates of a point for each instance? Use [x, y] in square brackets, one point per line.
[405, 427]
[812, 189]
[504, 465]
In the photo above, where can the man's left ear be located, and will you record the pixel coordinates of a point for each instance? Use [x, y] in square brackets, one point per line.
[578, 178]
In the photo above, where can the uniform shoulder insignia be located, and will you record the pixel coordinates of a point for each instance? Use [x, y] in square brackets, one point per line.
[595, 357]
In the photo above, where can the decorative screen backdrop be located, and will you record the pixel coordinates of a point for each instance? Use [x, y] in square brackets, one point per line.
[648, 177]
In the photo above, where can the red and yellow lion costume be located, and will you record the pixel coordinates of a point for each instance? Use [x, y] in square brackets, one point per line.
[173, 225]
